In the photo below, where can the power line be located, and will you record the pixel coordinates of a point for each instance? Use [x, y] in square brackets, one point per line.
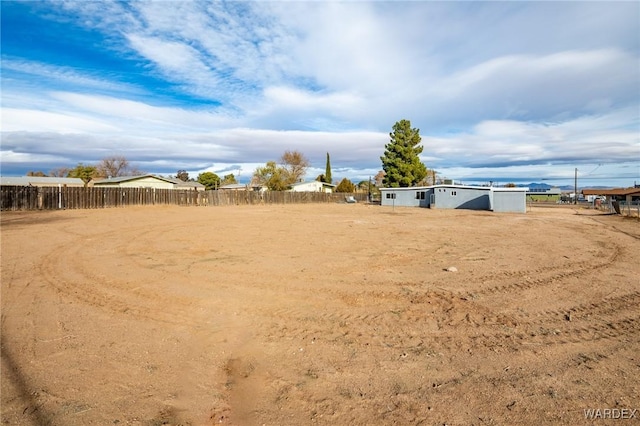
[597, 167]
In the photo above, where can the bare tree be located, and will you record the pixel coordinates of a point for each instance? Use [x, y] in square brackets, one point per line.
[379, 177]
[60, 172]
[182, 175]
[296, 165]
[116, 165]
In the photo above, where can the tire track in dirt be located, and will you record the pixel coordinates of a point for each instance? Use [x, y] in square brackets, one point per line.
[573, 323]
[548, 275]
[68, 268]
[436, 309]
[441, 311]
[606, 306]
[628, 327]
[330, 326]
[614, 228]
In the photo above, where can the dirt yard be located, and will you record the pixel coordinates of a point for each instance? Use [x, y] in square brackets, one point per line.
[329, 314]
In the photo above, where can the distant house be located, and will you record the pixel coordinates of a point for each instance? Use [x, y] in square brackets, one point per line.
[313, 186]
[41, 181]
[234, 187]
[457, 197]
[627, 195]
[190, 184]
[146, 181]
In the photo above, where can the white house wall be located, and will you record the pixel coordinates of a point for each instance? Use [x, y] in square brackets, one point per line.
[405, 197]
[509, 201]
[311, 187]
[452, 197]
[457, 197]
[139, 183]
[147, 183]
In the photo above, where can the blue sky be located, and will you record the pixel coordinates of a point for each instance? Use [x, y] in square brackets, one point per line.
[501, 91]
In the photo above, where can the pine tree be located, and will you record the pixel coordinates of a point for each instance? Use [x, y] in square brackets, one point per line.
[401, 162]
[327, 173]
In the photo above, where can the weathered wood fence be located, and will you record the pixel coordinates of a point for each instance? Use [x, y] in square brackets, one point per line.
[56, 198]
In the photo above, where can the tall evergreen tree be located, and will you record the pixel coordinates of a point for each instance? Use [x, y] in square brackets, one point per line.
[327, 173]
[401, 162]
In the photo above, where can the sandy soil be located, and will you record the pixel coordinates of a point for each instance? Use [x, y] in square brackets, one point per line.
[318, 314]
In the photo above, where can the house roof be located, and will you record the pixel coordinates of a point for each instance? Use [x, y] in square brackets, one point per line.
[120, 179]
[234, 186]
[40, 180]
[188, 184]
[615, 191]
[481, 188]
[313, 181]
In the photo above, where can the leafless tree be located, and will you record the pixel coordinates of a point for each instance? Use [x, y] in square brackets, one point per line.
[60, 172]
[115, 166]
[296, 165]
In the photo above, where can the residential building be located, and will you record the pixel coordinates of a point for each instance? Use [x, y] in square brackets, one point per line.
[313, 186]
[457, 197]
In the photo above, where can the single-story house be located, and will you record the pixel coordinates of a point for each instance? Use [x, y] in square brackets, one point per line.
[313, 186]
[457, 197]
[146, 181]
[243, 187]
[190, 184]
[234, 187]
[628, 195]
[41, 181]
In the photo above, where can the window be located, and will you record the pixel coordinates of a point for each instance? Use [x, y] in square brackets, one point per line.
[420, 195]
[453, 193]
[391, 195]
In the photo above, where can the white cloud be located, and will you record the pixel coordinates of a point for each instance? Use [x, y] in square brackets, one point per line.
[608, 138]
[41, 72]
[17, 120]
[11, 157]
[496, 87]
[140, 118]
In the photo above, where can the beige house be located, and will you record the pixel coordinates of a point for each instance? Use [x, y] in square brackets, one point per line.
[147, 181]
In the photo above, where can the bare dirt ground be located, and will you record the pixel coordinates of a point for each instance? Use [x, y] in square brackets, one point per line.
[318, 314]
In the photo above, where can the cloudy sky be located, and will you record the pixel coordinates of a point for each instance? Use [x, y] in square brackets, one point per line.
[503, 91]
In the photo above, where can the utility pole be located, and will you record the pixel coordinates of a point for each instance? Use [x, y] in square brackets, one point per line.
[575, 185]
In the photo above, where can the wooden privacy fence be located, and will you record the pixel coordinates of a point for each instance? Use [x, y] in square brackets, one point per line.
[55, 198]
